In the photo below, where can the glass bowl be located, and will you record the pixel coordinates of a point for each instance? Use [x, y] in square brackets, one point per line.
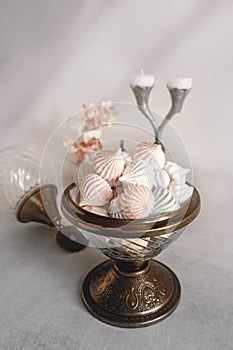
[131, 289]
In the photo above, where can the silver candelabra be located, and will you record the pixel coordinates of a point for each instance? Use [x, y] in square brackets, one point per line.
[142, 94]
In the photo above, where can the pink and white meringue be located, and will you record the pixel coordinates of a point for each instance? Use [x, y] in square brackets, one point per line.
[136, 201]
[178, 187]
[181, 191]
[94, 191]
[115, 210]
[152, 153]
[109, 164]
[164, 201]
[161, 179]
[114, 184]
[85, 168]
[138, 172]
[176, 172]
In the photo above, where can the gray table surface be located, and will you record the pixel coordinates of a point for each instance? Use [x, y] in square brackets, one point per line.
[41, 308]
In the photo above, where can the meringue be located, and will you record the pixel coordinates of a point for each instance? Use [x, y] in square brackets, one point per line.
[182, 192]
[115, 209]
[136, 201]
[85, 168]
[152, 153]
[164, 201]
[115, 185]
[94, 191]
[176, 172]
[178, 187]
[138, 172]
[109, 164]
[161, 179]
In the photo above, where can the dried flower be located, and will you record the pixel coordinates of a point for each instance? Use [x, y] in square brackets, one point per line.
[80, 149]
[92, 120]
[97, 115]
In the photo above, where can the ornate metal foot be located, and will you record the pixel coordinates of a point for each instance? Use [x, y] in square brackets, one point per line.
[131, 294]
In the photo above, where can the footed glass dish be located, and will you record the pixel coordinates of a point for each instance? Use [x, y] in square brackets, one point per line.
[130, 289]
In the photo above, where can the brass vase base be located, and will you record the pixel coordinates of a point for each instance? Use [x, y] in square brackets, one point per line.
[65, 241]
[131, 294]
[39, 205]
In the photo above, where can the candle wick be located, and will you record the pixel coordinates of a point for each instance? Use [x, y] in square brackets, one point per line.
[142, 71]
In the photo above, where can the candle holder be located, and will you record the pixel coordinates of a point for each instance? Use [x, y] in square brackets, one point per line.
[142, 94]
[130, 290]
[177, 97]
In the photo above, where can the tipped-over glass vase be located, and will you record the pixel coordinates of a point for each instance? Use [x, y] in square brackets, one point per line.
[28, 195]
[19, 173]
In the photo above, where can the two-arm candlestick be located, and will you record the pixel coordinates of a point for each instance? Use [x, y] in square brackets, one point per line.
[178, 88]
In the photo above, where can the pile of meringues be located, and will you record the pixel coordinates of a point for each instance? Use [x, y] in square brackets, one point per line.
[115, 184]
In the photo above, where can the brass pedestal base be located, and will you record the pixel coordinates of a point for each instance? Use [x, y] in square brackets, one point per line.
[131, 294]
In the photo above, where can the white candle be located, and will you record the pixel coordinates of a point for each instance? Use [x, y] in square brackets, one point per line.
[180, 83]
[142, 80]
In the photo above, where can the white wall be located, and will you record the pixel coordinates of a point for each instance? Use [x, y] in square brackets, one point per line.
[56, 55]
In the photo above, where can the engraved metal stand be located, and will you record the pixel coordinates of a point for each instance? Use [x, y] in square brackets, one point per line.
[131, 290]
[131, 294]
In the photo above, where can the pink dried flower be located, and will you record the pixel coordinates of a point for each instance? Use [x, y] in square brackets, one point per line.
[97, 115]
[80, 149]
